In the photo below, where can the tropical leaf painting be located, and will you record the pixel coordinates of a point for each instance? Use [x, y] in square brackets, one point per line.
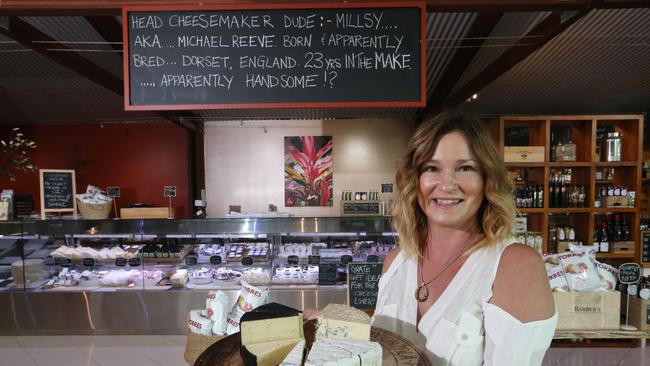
[308, 171]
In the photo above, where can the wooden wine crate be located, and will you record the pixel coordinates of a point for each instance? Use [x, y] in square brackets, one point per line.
[523, 154]
[146, 213]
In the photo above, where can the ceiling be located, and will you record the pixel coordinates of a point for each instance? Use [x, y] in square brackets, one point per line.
[64, 64]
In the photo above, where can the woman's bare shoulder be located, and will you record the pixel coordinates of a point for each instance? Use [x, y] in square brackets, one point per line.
[521, 285]
[388, 260]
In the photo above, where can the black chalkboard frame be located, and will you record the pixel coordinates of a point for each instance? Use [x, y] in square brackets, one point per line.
[416, 103]
[73, 209]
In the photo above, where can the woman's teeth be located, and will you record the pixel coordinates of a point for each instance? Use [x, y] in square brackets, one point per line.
[447, 202]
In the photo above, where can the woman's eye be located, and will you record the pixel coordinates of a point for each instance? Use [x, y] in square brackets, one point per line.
[466, 168]
[429, 169]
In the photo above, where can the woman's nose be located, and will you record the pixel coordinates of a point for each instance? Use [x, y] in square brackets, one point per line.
[448, 179]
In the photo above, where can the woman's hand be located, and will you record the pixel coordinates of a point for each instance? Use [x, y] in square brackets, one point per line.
[310, 314]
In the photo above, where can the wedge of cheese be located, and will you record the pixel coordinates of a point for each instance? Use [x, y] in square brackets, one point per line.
[339, 321]
[268, 353]
[348, 352]
[269, 323]
[295, 357]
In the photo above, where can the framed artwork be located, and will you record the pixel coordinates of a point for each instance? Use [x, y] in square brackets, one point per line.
[308, 171]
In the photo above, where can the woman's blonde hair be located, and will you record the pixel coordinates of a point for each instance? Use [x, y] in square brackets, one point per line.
[497, 211]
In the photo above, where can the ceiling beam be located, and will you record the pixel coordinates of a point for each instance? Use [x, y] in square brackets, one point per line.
[467, 50]
[542, 33]
[31, 38]
[113, 7]
[109, 28]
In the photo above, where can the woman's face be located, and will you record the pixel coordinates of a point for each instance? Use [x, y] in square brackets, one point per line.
[451, 184]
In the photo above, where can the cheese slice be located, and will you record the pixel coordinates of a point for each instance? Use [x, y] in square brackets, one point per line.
[294, 358]
[339, 321]
[270, 322]
[268, 353]
[345, 352]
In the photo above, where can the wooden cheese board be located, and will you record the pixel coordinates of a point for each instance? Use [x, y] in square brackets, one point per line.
[396, 349]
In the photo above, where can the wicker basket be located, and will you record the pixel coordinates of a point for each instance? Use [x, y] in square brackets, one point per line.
[98, 211]
[196, 344]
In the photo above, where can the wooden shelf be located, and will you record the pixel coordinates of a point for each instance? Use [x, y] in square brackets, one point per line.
[615, 255]
[561, 210]
[524, 165]
[607, 164]
[531, 210]
[615, 209]
[570, 164]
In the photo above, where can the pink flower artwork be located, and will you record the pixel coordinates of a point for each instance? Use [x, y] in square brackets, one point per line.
[308, 171]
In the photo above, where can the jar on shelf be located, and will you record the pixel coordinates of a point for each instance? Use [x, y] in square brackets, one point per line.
[612, 147]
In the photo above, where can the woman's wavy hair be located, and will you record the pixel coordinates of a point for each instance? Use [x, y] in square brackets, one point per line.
[497, 211]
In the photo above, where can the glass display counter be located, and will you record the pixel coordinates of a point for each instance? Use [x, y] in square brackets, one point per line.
[143, 276]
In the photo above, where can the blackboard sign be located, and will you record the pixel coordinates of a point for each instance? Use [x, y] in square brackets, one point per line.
[645, 248]
[345, 259]
[113, 192]
[372, 258]
[247, 261]
[190, 260]
[88, 262]
[361, 208]
[215, 260]
[327, 274]
[387, 188]
[279, 55]
[58, 190]
[363, 284]
[65, 262]
[120, 262]
[292, 259]
[170, 191]
[135, 262]
[629, 273]
[313, 259]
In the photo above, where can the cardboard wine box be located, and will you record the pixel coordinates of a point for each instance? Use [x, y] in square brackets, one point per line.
[523, 154]
[588, 310]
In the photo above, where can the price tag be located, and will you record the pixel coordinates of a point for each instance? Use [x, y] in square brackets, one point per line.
[629, 273]
[190, 260]
[88, 262]
[113, 192]
[65, 262]
[293, 259]
[372, 259]
[215, 260]
[314, 259]
[170, 191]
[135, 262]
[120, 262]
[247, 261]
[345, 259]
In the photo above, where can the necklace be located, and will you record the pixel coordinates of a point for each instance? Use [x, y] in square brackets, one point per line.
[425, 285]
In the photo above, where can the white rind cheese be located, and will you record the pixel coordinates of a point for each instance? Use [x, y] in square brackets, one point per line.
[269, 353]
[349, 352]
[339, 321]
[294, 358]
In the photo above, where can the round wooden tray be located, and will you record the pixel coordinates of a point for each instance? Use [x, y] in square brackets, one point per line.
[396, 349]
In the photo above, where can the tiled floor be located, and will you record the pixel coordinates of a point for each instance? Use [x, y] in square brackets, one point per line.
[168, 351]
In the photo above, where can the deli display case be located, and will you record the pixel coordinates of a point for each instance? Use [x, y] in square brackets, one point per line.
[143, 276]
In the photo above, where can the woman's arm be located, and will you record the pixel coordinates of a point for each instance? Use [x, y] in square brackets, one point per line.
[521, 285]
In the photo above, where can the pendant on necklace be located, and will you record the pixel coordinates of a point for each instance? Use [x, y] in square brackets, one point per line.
[426, 293]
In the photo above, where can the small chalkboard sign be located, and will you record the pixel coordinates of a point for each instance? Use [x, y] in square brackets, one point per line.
[65, 262]
[135, 262]
[372, 258]
[292, 259]
[313, 259]
[247, 261]
[345, 259]
[215, 260]
[327, 274]
[113, 192]
[190, 260]
[120, 262]
[170, 191]
[363, 284]
[387, 188]
[629, 273]
[361, 208]
[58, 191]
[88, 262]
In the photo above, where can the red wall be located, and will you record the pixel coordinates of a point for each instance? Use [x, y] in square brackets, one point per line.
[140, 158]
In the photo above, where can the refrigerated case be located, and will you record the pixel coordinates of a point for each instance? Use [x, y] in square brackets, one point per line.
[143, 276]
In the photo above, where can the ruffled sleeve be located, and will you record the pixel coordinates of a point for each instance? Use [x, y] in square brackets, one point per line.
[511, 342]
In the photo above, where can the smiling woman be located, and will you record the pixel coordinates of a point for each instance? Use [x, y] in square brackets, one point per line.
[458, 278]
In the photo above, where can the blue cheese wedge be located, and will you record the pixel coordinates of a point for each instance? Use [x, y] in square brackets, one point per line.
[295, 357]
[345, 352]
[339, 321]
[268, 353]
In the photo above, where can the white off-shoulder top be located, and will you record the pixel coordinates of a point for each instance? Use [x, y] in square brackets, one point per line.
[461, 328]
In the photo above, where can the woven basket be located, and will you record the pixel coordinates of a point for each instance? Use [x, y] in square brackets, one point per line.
[196, 344]
[96, 211]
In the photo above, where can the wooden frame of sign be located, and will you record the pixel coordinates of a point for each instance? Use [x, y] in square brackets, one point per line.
[67, 203]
